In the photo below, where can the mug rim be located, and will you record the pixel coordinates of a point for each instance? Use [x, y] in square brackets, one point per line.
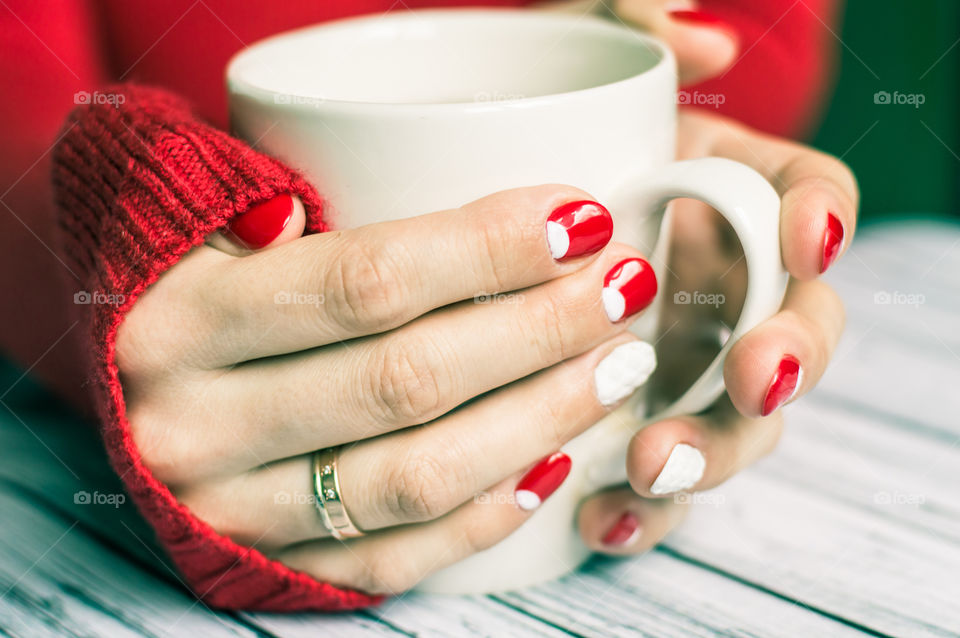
[239, 85]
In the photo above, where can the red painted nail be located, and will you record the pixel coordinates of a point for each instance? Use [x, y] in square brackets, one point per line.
[542, 481]
[578, 228]
[628, 288]
[699, 18]
[832, 241]
[624, 532]
[784, 384]
[262, 223]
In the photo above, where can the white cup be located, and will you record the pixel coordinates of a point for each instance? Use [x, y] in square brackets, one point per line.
[402, 114]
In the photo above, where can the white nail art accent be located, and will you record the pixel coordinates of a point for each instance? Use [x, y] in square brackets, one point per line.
[613, 303]
[558, 240]
[682, 470]
[624, 370]
[527, 500]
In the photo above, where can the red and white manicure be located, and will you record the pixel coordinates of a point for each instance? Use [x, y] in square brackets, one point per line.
[832, 242]
[542, 481]
[784, 385]
[578, 228]
[628, 288]
[624, 532]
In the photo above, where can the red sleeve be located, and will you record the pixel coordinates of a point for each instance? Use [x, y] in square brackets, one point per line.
[138, 182]
[784, 69]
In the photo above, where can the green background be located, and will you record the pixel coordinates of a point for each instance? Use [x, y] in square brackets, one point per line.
[907, 159]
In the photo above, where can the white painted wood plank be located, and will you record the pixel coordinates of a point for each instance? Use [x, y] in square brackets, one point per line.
[425, 616]
[852, 563]
[660, 595]
[316, 625]
[53, 572]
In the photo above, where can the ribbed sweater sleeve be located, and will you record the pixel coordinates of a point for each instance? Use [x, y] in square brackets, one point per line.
[138, 181]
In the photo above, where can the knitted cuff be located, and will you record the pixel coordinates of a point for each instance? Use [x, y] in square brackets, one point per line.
[138, 182]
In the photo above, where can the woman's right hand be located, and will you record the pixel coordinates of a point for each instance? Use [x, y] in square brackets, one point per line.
[238, 364]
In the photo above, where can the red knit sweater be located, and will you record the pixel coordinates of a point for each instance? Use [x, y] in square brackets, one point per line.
[135, 187]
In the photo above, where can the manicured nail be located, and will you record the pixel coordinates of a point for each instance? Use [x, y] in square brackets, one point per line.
[832, 241]
[785, 383]
[628, 288]
[682, 470]
[542, 481]
[262, 223]
[698, 18]
[624, 370]
[578, 228]
[624, 532]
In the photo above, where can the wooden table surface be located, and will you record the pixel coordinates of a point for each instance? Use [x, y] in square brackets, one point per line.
[851, 528]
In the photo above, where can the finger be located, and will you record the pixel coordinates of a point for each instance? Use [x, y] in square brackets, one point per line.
[819, 195]
[422, 370]
[704, 44]
[618, 522]
[423, 473]
[336, 286]
[785, 356]
[395, 560]
[265, 225]
[696, 453]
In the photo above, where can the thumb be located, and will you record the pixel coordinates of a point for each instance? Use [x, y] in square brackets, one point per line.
[704, 44]
[266, 224]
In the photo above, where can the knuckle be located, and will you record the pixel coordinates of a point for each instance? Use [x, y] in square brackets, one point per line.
[390, 571]
[496, 242]
[367, 285]
[165, 445]
[421, 489]
[407, 385]
[550, 327]
[159, 448]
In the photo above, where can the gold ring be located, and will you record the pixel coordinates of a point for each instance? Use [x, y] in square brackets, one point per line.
[326, 488]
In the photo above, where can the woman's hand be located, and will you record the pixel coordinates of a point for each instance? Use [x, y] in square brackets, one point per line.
[704, 45]
[779, 360]
[262, 346]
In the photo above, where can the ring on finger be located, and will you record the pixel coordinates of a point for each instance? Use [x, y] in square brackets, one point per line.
[326, 487]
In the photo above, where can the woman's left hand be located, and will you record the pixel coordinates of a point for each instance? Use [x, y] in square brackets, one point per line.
[779, 360]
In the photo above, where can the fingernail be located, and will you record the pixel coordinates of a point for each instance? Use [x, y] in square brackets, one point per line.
[262, 223]
[832, 241]
[542, 481]
[624, 532]
[578, 228]
[683, 469]
[624, 370]
[698, 18]
[786, 380]
[628, 288]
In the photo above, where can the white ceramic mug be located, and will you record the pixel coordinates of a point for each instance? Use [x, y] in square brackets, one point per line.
[402, 114]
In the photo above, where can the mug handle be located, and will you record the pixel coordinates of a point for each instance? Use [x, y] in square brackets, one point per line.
[752, 207]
